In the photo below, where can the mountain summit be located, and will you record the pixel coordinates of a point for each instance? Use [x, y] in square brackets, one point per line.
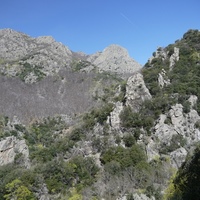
[115, 58]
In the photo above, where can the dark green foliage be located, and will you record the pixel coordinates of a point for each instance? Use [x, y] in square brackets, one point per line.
[176, 142]
[142, 119]
[9, 133]
[78, 65]
[118, 139]
[98, 115]
[76, 135]
[186, 183]
[43, 132]
[192, 37]
[28, 68]
[19, 158]
[113, 167]
[184, 76]
[102, 114]
[186, 107]
[11, 172]
[156, 61]
[170, 49]
[130, 119]
[126, 157]
[20, 127]
[5, 177]
[44, 154]
[130, 197]
[59, 175]
[197, 124]
[151, 78]
[151, 191]
[168, 120]
[5, 131]
[44, 142]
[56, 174]
[129, 140]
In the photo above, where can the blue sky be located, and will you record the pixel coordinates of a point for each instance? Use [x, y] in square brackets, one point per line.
[91, 25]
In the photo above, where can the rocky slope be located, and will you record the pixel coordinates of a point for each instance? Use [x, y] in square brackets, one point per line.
[17, 49]
[41, 77]
[95, 134]
[115, 59]
[46, 57]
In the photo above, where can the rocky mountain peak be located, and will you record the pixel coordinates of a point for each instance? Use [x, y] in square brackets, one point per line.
[115, 58]
[7, 32]
[45, 39]
[116, 49]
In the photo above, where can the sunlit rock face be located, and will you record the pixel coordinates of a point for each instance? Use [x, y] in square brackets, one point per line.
[136, 91]
[11, 147]
[115, 59]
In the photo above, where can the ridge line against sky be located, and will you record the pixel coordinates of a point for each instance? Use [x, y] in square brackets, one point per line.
[89, 26]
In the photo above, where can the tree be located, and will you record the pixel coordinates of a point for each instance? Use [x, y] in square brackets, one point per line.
[75, 195]
[17, 191]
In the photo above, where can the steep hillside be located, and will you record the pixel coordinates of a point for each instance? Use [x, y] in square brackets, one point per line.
[95, 134]
[41, 77]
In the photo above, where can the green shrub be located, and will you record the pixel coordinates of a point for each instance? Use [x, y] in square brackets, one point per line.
[98, 115]
[176, 142]
[141, 119]
[78, 65]
[186, 107]
[129, 119]
[76, 135]
[129, 140]
[126, 157]
[28, 68]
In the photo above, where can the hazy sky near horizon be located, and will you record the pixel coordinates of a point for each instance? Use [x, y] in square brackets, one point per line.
[89, 26]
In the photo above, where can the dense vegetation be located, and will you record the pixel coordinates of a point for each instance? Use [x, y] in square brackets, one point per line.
[48, 150]
[184, 78]
[185, 185]
[185, 74]
[29, 69]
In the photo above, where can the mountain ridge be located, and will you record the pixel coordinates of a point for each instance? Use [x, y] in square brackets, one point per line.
[51, 56]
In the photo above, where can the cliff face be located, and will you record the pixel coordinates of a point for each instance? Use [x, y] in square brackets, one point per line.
[14, 150]
[96, 126]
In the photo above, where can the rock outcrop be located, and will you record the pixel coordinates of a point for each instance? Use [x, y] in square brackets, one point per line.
[174, 57]
[175, 133]
[13, 149]
[163, 80]
[159, 53]
[136, 91]
[114, 119]
[45, 53]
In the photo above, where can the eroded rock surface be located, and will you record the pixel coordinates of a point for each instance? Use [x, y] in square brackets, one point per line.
[115, 59]
[136, 91]
[11, 147]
